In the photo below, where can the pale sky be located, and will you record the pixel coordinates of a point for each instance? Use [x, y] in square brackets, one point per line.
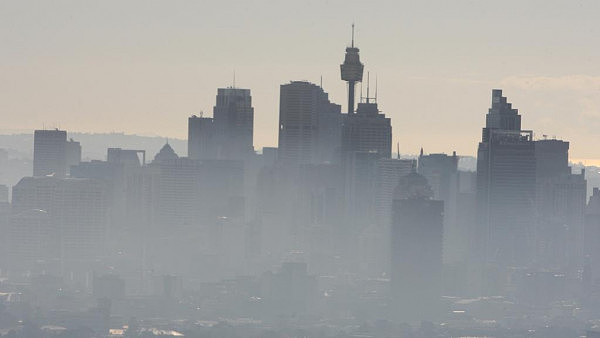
[145, 66]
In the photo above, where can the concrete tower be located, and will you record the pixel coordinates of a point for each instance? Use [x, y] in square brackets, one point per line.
[352, 71]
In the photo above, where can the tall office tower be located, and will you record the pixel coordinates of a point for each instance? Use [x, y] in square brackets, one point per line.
[32, 238]
[505, 187]
[591, 247]
[73, 154]
[49, 153]
[441, 171]
[234, 123]
[367, 130]
[389, 172]
[352, 71]
[80, 210]
[76, 208]
[560, 205]
[201, 138]
[416, 249]
[308, 124]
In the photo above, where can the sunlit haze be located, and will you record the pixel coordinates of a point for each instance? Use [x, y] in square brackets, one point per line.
[145, 66]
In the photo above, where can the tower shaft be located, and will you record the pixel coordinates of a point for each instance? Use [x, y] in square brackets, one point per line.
[351, 97]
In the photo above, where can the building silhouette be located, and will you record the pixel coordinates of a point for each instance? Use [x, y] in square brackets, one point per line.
[505, 187]
[233, 117]
[367, 130]
[308, 124]
[592, 233]
[560, 208]
[229, 133]
[201, 138]
[416, 250]
[50, 153]
[70, 212]
[441, 171]
[73, 153]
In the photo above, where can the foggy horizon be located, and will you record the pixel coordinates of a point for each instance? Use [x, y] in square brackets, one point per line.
[162, 66]
[308, 169]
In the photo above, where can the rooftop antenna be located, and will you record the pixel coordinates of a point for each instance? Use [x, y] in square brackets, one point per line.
[375, 88]
[321, 82]
[368, 85]
[361, 92]
[398, 150]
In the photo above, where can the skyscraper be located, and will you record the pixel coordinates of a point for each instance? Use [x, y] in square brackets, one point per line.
[416, 249]
[308, 124]
[234, 122]
[560, 205]
[76, 216]
[505, 186]
[201, 138]
[592, 233]
[73, 154]
[229, 133]
[441, 171]
[49, 153]
[367, 130]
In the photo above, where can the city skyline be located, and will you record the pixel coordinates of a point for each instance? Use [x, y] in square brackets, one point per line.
[158, 73]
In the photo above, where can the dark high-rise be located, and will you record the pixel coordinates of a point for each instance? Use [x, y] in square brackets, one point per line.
[229, 133]
[50, 153]
[416, 249]
[560, 204]
[234, 123]
[367, 130]
[201, 138]
[441, 171]
[505, 186]
[309, 124]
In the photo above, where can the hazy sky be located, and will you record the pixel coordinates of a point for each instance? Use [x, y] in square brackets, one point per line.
[144, 66]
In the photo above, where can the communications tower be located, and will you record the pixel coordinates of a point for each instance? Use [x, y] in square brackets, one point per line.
[352, 71]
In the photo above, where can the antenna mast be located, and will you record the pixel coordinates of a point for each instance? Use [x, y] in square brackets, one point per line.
[375, 88]
[368, 85]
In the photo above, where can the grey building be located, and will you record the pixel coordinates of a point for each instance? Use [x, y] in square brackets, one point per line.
[308, 124]
[416, 250]
[560, 206]
[233, 117]
[50, 153]
[505, 187]
[367, 130]
[201, 138]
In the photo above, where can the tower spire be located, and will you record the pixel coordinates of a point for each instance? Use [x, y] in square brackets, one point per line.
[351, 71]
